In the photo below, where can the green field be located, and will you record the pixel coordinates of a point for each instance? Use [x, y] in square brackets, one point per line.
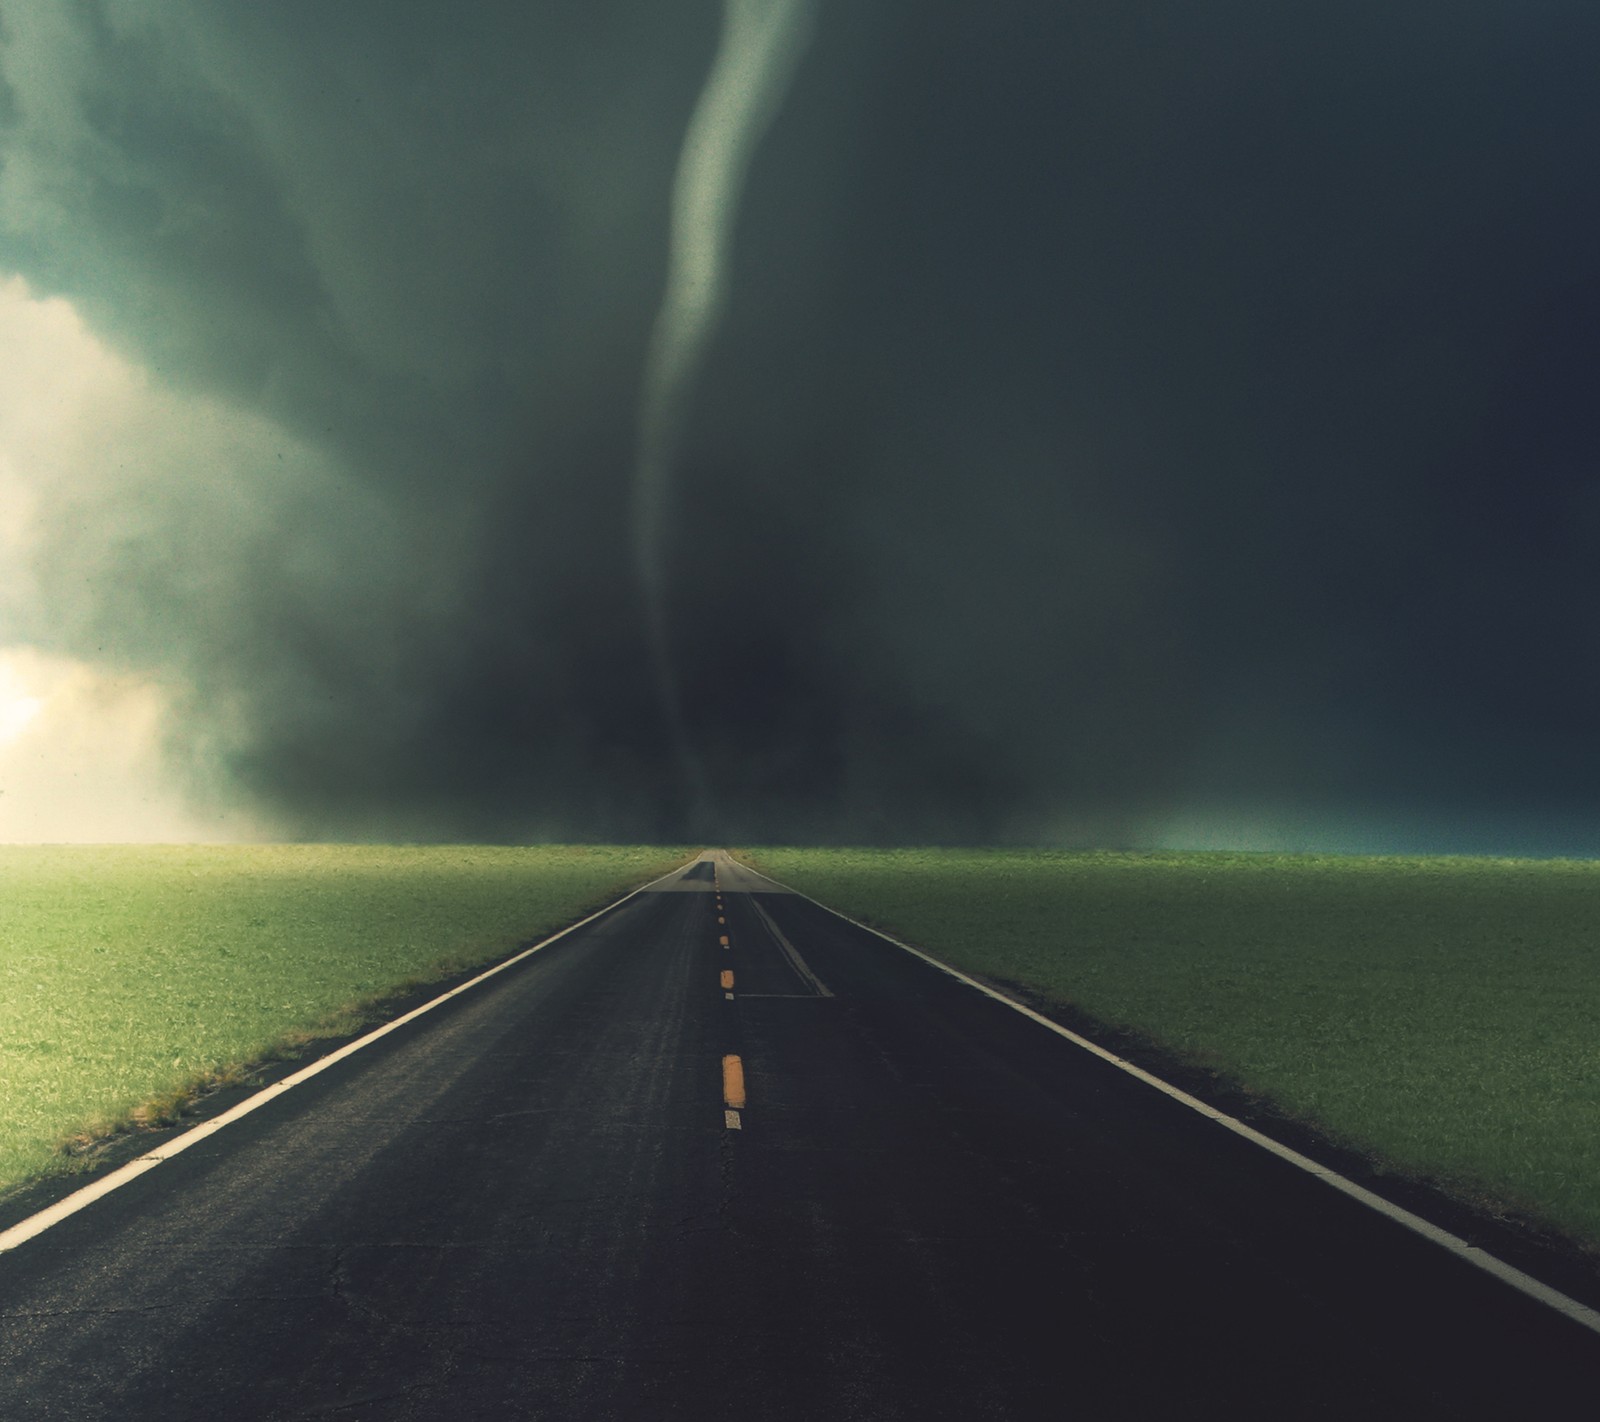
[1441, 1015]
[130, 975]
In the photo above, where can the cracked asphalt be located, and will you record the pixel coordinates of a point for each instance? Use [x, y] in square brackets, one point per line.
[529, 1204]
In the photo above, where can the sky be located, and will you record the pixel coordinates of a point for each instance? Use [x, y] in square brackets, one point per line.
[1118, 423]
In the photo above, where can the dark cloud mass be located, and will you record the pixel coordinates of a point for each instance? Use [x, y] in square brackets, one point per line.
[1134, 421]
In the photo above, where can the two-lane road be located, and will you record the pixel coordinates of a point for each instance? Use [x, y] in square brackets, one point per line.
[535, 1202]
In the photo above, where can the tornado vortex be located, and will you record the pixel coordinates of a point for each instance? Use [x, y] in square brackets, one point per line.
[761, 45]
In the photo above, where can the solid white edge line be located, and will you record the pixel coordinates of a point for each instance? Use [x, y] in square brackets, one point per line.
[1470, 1253]
[37, 1224]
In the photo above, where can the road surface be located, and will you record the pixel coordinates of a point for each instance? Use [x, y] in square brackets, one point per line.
[538, 1202]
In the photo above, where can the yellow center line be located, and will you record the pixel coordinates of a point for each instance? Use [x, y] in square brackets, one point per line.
[723, 940]
[727, 977]
[733, 1082]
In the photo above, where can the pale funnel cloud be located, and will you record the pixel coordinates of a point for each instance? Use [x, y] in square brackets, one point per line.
[761, 45]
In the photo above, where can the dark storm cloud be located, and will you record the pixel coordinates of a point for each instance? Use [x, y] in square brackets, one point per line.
[1123, 411]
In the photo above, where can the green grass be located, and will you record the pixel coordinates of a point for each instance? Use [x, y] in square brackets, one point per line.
[1442, 1015]
[131, 975]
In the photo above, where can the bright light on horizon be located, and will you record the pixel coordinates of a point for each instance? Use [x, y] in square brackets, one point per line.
[83, 746]
[82, 758]
[18, 707]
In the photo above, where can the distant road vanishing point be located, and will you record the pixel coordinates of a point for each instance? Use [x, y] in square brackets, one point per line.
[719, 1153]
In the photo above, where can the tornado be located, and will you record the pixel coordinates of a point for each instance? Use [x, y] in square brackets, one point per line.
[761, 44]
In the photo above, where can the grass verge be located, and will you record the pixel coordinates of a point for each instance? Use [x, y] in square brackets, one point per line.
[133, 977]
[1440, 1015]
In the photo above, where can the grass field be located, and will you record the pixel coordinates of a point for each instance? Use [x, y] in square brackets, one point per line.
[1442, 1015]
[128, 975]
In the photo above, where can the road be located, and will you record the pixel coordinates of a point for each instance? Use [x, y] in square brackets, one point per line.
[536, 1202]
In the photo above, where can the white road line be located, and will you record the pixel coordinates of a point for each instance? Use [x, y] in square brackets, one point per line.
[37, 1224]
[1479, 1258]
[795, 960]
[730, 1121]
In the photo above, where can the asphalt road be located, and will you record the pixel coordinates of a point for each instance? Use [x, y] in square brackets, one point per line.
[535, 1203]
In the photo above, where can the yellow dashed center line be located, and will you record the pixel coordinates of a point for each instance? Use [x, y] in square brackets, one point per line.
[733, 1082]
[732, 1067]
